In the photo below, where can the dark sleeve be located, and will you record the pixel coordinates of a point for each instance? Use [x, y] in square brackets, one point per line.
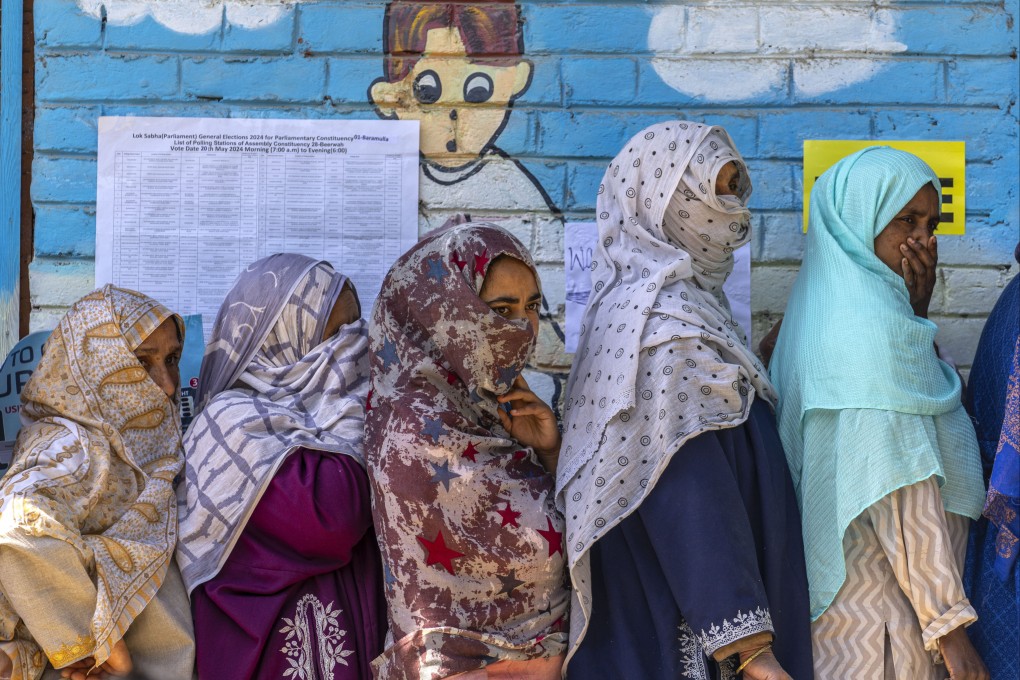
[316, 506]
[986, 393]
[700, 533]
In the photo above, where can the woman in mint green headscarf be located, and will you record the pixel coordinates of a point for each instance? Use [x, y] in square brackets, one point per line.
[884, 458]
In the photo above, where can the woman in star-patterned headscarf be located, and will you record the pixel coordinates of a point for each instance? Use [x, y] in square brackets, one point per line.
[460, 455]
[683, 534]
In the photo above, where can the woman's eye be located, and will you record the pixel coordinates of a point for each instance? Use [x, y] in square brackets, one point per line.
[909, 219]
[173, 360]
[502, 311]
[427, 87]
[477, 88]
[533, 307]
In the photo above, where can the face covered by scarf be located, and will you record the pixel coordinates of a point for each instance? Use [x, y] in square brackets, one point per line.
[271, 384]
[94, 467]
[470, 536]
[660, 359]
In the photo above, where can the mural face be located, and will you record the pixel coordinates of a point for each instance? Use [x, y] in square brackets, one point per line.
[462, 104]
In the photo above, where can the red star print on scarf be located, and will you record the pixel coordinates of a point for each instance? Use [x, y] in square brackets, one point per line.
[480, 262]
[455, 258]
[509, 516]
[554, 537]
[436, 551]
[470, 452]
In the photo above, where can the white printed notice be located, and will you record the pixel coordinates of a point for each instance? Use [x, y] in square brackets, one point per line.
[579, 240]
[185, 203]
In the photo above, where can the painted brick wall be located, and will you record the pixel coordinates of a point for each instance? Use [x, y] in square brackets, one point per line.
[772, 73]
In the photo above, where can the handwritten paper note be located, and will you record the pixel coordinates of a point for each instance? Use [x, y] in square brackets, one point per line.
[579, 241]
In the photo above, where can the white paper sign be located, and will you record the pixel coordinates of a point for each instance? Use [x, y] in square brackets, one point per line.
[738, 289]
[579, 240]
[184, 203]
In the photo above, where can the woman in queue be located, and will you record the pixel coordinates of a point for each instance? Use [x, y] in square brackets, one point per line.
[276, 546]
[461, 456]
[683, 533]
[88, 514]
[883, 454]
[992, 577]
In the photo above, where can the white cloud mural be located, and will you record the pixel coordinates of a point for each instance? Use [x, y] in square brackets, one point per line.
[189, 16]
[718, 50]
[732, 51]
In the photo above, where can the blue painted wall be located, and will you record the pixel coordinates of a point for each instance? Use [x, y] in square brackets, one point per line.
[774, 75]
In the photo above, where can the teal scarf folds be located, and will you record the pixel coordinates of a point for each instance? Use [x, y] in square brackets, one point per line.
[865, 405]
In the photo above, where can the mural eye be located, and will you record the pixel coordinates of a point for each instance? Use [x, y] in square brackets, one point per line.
[427, 87]
[477, 88]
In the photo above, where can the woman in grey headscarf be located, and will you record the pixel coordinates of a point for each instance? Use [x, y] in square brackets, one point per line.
[276, 542]
[682, 526]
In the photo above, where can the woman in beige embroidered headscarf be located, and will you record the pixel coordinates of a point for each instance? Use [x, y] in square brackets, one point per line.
[88, 514]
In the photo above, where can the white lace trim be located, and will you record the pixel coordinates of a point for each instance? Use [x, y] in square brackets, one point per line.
[692, 657]
[324, 633]
[741, 626]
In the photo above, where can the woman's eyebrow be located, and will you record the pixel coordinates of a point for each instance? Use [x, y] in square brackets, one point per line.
[535, 298]
[505, 298]
[176, 347]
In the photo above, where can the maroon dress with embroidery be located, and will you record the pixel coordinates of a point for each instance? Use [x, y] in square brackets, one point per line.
[300, 595]
[472, 543]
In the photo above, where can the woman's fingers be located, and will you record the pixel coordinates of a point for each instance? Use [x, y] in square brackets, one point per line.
[530, 410]
[517, 395]
[908, 275]
[521, 391]
[78, 669]
[922, 252]
[505, 420]
[916, 264]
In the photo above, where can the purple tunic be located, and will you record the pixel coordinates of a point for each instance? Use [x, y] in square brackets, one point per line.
[301, 591]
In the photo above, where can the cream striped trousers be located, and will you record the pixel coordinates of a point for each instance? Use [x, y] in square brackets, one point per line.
[903, 591]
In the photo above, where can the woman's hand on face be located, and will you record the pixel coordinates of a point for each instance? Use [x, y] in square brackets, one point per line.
[962, 660]
[530, 421]
[919, 261]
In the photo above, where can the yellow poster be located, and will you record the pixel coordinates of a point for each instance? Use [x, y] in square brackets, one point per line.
[947, 159]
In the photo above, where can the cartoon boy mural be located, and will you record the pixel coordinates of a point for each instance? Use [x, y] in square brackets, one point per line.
[458, 69]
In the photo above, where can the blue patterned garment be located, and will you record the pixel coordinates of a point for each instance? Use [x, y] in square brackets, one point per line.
[992, 579]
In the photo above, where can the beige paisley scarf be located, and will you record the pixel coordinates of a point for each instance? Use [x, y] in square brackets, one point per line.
[93, 469]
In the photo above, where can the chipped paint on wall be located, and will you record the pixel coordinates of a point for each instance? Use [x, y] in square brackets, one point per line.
[189, 16]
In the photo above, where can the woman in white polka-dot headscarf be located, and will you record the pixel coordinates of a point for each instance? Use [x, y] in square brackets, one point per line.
[682, 525]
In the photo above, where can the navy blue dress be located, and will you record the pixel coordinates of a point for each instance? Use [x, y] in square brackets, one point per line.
[997, 629]
[718, 543]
